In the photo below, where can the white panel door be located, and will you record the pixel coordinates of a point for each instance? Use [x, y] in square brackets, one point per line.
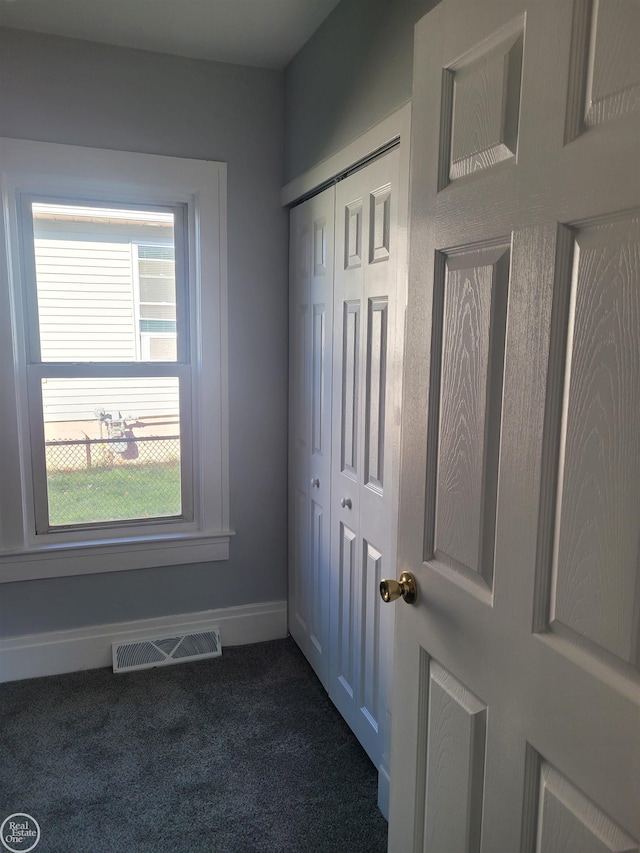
[365, 440]
[516, 709]
[310, 359]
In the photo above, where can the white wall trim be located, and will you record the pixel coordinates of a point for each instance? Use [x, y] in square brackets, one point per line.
[90, 648]
[142, 553]
[394, 126]
[29, 548]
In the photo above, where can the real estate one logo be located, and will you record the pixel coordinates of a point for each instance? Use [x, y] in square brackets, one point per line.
[20, 832]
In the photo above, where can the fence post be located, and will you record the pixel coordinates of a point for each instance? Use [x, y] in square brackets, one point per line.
[87, 445]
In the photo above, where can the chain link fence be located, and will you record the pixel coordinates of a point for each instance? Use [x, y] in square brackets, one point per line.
[87, 453]
[108, 479]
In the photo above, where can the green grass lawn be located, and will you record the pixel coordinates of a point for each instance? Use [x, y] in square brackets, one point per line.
[114, 494]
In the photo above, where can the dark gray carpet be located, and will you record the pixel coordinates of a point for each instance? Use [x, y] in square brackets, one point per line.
[238, 754]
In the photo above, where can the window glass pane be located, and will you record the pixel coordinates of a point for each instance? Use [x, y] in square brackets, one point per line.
[162, 348]
[112, 449]
[162, 253]
[155, 268]
[161, 290]
[95, 270]
[158, 312]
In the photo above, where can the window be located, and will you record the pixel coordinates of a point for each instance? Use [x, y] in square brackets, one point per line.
[156, 300]
[113, 438]
[113, 395]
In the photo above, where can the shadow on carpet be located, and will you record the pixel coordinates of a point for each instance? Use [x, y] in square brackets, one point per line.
[237, 754]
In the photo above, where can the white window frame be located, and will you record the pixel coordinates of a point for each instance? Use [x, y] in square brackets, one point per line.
[88, 175]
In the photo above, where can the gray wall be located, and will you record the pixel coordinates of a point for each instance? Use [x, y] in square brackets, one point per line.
[62, 90]
[355, 70]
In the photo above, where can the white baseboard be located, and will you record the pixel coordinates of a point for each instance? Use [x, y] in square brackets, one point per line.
[90, 648]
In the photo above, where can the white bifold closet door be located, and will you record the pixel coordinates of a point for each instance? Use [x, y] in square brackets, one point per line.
[345, 377]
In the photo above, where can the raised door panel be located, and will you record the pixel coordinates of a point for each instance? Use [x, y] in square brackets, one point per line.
[317, 578]
[370, 656]
[298, 603]
[321, 246]
[594, 591]
[346, 637]
[350, 396]
[468, 362]
[481, 105]
[607, 62]
[569, 823]
[300, 379]
[319, 384]
[353, 234]
[376, 390]
[451, 763]
[380, 224]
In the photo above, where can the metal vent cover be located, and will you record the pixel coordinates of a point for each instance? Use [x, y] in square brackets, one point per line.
[145, 654]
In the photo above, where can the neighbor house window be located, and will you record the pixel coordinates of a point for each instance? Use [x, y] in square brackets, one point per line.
[156, 301]
[113, 395]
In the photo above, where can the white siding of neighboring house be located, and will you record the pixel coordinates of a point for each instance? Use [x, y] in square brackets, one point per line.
[86, 306]
[77, 399]
[85, 300]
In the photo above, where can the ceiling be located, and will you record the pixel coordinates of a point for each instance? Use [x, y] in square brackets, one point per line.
[262, 33]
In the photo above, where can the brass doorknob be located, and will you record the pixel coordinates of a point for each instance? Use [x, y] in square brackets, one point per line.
[405, 587]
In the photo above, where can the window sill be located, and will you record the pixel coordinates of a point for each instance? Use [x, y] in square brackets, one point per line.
[63, 560]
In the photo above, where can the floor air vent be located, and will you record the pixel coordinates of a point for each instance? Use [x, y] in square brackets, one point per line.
[145, 654]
